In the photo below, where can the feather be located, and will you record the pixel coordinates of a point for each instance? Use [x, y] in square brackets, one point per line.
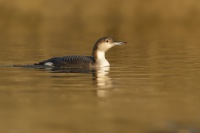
[74, 61]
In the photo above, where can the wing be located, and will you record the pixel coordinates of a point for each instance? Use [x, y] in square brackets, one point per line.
[75, 61]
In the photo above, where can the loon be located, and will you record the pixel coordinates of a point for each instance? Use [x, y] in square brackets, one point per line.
[84, 62]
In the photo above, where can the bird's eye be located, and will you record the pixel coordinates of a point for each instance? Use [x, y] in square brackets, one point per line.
[107, 41]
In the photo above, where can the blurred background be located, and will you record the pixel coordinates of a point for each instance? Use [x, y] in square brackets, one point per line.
[153, 83]
[128, 19]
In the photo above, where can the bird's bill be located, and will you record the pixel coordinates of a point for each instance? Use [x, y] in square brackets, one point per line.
[119, 43]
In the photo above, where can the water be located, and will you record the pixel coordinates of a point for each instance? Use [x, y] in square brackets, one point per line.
[148, 88]
[152, 85]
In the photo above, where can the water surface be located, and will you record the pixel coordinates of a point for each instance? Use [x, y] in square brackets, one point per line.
[152, 85]
[147, 89]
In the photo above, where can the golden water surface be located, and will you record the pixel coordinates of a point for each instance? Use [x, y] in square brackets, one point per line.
[152, 86]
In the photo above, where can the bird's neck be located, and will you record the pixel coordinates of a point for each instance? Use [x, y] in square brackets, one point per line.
[100, 59]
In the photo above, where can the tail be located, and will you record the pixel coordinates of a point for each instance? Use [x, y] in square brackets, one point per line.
[24, 66]
[35, 65]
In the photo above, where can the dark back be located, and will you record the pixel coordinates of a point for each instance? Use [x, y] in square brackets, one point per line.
[74, 61]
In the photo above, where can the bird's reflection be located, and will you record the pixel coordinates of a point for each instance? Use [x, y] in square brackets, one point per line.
[100, 75]
[103, 81]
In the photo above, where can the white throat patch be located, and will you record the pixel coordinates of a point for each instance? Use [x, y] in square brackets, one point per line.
[101, 60]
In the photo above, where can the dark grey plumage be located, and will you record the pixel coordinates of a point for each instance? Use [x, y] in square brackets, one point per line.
[74, 61]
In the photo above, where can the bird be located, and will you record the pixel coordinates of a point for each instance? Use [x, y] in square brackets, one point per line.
[84, 62]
